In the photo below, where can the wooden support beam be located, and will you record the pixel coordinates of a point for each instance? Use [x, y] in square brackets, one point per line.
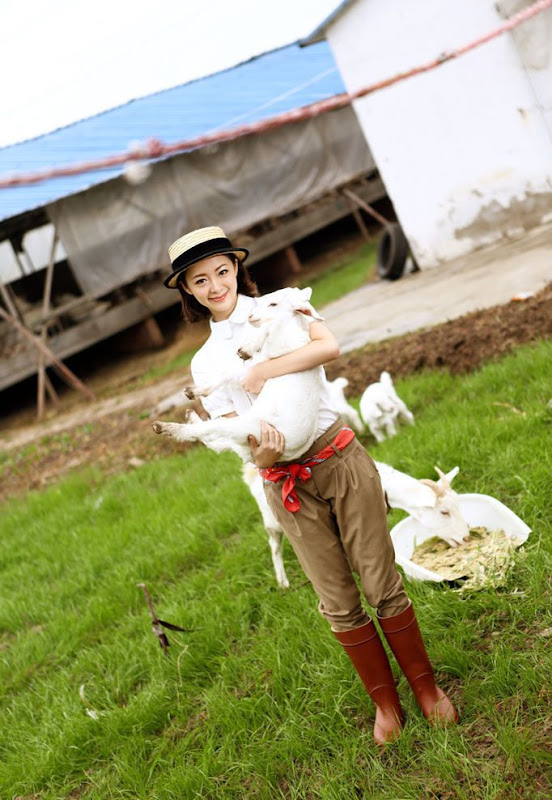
[9, 302]
[69, 376]
[44, 381]
[366, 207]
[293, 259]
[360, 224]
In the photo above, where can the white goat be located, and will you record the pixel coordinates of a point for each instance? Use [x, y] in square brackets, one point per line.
[340, 404]
[433, 503]
[290, 402]
[381, 408]
[254, 482]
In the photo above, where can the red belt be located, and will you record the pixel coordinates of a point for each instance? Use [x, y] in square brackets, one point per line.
[302, 470]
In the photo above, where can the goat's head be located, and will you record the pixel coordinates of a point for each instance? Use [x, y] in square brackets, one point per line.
[275, 310]
[283, 303]
[442, 515]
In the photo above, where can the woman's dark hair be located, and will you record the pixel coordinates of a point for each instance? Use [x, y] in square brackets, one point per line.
[192, 311]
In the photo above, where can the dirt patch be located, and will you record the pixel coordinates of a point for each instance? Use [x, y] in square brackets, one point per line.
[459, 346]
[120, 436]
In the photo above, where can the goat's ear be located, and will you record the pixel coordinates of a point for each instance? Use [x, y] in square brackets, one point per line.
[426, 493]
[308, 311]
[445, 480]
[306, 293]
[450, 476]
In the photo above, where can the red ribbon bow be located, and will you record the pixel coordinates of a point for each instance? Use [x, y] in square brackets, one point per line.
[302, 470]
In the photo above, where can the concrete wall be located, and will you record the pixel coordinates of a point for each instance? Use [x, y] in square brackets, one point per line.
[465, 151]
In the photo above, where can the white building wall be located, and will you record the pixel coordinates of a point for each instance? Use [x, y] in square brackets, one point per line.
[465, 150]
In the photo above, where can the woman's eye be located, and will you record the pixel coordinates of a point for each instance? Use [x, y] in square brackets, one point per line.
[223, 272]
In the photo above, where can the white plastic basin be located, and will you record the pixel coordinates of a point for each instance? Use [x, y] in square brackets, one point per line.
[479, 510]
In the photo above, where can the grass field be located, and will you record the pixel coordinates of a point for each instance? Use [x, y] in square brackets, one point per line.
[259, 701]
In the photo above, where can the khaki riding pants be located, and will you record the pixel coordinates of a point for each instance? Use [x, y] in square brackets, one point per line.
[341, 529]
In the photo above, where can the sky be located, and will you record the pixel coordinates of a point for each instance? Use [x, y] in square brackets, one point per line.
[64, 60]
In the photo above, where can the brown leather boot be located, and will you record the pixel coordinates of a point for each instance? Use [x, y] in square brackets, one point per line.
[364, 648]
[405, 640]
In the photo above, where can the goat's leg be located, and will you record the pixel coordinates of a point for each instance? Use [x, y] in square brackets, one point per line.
[376, 430]
[389, 425]
[222, 433]
[405, 413]
[253, 344]
[352, 417]
[195, 392]
[275, 540]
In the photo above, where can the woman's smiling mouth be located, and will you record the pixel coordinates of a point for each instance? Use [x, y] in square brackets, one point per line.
[218, 299]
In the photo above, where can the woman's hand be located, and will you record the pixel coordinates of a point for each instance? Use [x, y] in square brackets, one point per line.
[271, 447]
[254, 379]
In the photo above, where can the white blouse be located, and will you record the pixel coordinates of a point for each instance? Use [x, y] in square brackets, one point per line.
[220, 351]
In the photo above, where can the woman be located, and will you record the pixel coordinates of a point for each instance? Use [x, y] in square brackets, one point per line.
[339, 525]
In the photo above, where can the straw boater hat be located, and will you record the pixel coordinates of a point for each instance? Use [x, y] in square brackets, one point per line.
[194, 246]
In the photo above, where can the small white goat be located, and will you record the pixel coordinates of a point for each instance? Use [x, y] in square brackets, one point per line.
[433, 503]
[340, 404]
[381, 408]
[254, 481]
[290, 402]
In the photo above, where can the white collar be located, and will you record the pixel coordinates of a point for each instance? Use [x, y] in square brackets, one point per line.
[244, 307]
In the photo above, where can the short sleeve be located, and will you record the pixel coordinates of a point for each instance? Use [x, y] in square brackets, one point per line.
[219, 402]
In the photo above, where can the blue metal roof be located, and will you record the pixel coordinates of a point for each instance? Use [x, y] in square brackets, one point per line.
[270, 84]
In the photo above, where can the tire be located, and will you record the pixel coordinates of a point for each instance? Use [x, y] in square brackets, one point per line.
[392, 252]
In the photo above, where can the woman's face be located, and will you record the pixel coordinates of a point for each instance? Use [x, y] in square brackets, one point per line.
[213, 282]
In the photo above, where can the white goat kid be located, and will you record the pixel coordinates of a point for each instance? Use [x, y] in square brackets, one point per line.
[339, 404]
[290, 402]
[254, 481]
[381, 408]
[433, 503]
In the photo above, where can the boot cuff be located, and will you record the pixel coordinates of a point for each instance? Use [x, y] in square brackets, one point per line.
[357, 635]
[398, 622]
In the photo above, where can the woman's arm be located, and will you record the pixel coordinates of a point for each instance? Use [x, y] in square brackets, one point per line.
[323, 347]
[270, 448]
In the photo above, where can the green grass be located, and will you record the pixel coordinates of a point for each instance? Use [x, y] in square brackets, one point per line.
[346, 276]
[260, 701]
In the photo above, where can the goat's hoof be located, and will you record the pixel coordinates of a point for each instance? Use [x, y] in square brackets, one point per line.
[157, 426]
[190, 393]
[243, 354]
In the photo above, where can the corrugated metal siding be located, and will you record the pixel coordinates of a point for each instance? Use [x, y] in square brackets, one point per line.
[270, 84]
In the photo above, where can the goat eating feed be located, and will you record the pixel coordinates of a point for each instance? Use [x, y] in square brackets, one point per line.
[433, 503]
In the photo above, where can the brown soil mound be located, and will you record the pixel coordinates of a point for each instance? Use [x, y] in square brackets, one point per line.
[459, 346]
